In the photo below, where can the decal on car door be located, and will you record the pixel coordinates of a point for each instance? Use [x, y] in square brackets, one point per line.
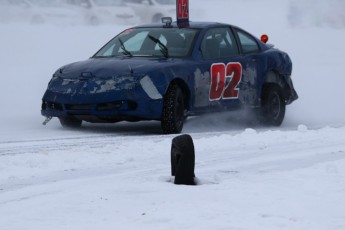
[224, 81]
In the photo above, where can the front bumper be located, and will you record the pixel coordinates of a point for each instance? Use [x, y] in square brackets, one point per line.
[103, 110]
[107, 103]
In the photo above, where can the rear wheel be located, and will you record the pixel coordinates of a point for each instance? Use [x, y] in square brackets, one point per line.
[272, 111]
[173, 114]
[70, 122]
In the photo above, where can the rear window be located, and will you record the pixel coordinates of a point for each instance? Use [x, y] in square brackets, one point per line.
[248, 43]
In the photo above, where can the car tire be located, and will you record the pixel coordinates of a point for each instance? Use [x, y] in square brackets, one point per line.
[183, 160]
[173, 114]
[70, 122]
[272, 111]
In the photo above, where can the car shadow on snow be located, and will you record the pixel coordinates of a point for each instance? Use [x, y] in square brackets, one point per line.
[215, 122]
[222, 121]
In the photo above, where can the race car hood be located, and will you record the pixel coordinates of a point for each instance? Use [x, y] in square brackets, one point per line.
[103, 75]
[105, 68]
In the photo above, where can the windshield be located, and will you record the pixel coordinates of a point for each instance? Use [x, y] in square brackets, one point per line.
[165, 42]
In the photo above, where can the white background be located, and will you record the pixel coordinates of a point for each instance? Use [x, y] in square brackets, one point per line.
[117, 176]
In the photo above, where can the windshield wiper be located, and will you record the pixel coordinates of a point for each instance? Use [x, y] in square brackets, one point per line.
[125, 51]
[162, 47]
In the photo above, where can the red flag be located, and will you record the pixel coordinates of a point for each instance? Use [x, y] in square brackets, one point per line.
[182, 12]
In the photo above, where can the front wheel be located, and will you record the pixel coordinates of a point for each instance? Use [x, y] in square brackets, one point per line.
[272, 111]
[173, 114]
[70, 122]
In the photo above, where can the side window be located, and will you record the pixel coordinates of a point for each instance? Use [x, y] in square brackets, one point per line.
[218, 43]
[247, 42]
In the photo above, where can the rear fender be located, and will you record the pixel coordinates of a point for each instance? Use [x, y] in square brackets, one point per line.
[284, 82]
[275, 78]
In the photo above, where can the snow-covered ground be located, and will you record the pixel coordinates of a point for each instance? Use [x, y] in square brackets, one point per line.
[118, 176]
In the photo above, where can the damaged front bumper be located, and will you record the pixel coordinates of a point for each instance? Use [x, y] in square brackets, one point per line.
[110, 100]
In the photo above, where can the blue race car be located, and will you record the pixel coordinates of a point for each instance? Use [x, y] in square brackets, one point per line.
[166, 72]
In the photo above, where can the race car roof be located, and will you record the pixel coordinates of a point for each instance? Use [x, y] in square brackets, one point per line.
[197, 25]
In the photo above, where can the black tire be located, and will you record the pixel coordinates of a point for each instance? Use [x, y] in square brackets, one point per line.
[70, 122]
[173, 114]
[272, 111]
[183, 160]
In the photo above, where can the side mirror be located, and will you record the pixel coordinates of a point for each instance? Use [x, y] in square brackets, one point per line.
[264, 38]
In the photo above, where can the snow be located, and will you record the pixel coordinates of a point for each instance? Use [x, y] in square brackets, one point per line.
[117, 176]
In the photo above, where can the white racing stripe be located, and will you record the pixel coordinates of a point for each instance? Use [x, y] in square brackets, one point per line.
[150, 88]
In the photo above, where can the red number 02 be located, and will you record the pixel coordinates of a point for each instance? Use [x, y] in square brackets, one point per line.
[219, 74]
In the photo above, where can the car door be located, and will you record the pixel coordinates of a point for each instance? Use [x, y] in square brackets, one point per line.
[219, 84]
[253, 71]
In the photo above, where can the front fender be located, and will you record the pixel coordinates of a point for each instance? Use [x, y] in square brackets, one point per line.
[162, 79]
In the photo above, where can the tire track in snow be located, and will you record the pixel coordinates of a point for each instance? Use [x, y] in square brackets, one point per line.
[55, 144]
